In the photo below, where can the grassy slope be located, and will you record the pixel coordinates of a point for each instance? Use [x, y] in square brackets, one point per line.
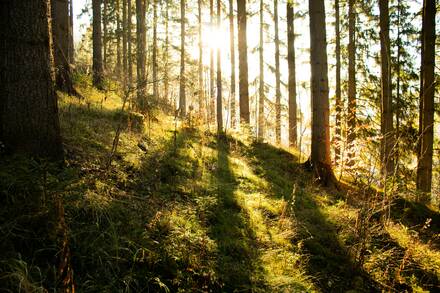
[195, 213]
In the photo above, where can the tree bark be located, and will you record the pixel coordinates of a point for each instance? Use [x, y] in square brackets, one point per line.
[98, 70]
[219, 76]
[140, 53]
[125, 43]
[166, 53]
[28, 104]
[261, 94]
[200, 68]
[424, 166]
[277, 78]
[351, 115]
[386, 102]
[320, 155]
[182, 94]
[338, 122]
[243, 62]
[71, 39]
[129, 44]
[61, 40]
[118, 39]
[232, 52]
[155, 69]
[105, 33]
[292, 74]
[211, 66]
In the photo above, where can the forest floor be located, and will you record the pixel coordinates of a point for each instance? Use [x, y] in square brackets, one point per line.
[181, 209]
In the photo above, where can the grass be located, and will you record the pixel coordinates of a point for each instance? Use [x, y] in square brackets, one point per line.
[189, 211]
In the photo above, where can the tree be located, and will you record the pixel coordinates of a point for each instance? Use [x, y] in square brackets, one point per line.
[28, 104]
[243, 62]
[155, 65]
[71, 45]
[427, 90]
[98, 70]
[351, 115]
[219, 75]
[129, 45]
[211, 66]
[140, 53]
[61, 40]
[125, 42]
[182, 96]
[261, 80]
[292, 74]
[386, 102]
[232, 51]
[320, 154]
[277, 78]
[338, 98]
[200, 68]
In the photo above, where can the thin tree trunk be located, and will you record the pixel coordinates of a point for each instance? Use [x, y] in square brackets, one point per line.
[320, 155]
[28, 106]
[105, 33]
[71, 39]
[200, 68]
[182, 94]
[98, 71]
[129, 43]
[243, 62]
[140, 53]
[277, 78]
[398, 102]
[211, 66]
[351, 115]
[338, 130]
[155, 77]
[219, 75]
[424, 166]
[124, 43]
[261, 93]
[118, 39]
[232, 52]
[61, 39]
[292, 74]
[387, 104]
[166, 77]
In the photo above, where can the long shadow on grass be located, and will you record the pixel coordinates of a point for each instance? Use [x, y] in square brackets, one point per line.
[328, 261]
[238, 263]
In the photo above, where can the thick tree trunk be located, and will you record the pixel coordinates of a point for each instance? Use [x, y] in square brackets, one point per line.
[105, 33]
[320, 155]
[387, 105]
[277, 78]
[219, 75]
[182, 93]
[243, 62]
[261, 94]
[98, 70]
[61, 40]
[232, 52]
[424, 166]
[129, 44]
[155, 66]
[292, 74]
[28, 104]
[71, 39]
[338, 122]
[200, 68]
[140, 53]
[351, 115]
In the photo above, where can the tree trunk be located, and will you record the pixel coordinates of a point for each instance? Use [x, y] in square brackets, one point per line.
[219, 75]
[28, 104]
[182, 94]
[232, 50]
[71, 39]
[292, 74]
[105, 33]
[211, 66]
[124, 43]
[320, 156]
[200, 68]
[261, 95]
[351, 115]
[424, 166]
[98, 71]
[61, 40]
[243, 62]
[166, 53]
[277, 78]
[118, 39]
[140, 53]
[129, 45]
[387, 104]
[338, 130]
[155, 77]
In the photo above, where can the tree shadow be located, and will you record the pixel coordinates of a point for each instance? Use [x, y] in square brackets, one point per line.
[328, 261]
[238, 261]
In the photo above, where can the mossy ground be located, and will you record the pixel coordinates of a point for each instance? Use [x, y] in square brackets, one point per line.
[191, 211]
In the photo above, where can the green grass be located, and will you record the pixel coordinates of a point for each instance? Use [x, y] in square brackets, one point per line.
[193, 212]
